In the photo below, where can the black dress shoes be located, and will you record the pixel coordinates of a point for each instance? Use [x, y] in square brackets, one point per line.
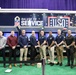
[57, 63]
[61, 64]
[51, 64]
[67, 65]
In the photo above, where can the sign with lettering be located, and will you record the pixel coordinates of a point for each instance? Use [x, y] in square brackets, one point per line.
[59, 21]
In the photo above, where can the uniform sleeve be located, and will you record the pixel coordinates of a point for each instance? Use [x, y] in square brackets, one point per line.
[27, 40]
[62, 38]
[39, 39]
[31, 41]
[19, 30]
[19, 40]
[45, 39]
[4, 43]
[73, 38]
[53, 38]
[56, 38]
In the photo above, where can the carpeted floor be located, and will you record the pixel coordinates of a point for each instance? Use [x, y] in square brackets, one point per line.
[33, 70]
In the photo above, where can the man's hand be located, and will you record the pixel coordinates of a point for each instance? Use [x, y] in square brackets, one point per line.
[67, 47]
[57, 45]
[36, 46]
[48, 47]
[75, 46]
[24, 46]
[0, 48]
[13, 47]
[41, 45]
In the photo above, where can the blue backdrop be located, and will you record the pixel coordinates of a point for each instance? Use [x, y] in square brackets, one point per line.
[46, 4]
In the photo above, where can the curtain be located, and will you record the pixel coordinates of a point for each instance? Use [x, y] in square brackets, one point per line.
[43, 4]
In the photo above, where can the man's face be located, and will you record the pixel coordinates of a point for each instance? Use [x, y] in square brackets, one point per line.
[59, 32]
[33, 33]
[12, 33]
[1, 33]
[23, 32]
[69, 32]
[50, 33]
[42, 33]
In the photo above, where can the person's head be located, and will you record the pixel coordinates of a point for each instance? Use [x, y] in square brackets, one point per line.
[12, 33]
[42, 33]
[59, 32]
[50, 32]
[69, 32]
[33, 33]
[23, 32]
[1, 33]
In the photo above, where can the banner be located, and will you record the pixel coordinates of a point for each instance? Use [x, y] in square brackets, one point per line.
[22, 19]
[38, 19]
[59, 21]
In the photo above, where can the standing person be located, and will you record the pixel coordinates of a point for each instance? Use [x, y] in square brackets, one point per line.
[69, 43]
[42, 42]
[2, 46]
[59, 47]
[23, 42]
[75, 48]
[12, 42]
[50, 43]
[75, 41]
[33, 43]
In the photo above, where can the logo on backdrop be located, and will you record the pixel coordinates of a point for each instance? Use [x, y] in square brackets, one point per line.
[59, 21]
[17, 21]
[27, 21]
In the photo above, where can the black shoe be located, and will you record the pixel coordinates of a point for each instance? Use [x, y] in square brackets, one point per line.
[57, 63]
[20, 66]
[71, 66]
[60, 64]
[4, 66]
[52, 64]
[32, 64]
[67, 65]
[26, 64]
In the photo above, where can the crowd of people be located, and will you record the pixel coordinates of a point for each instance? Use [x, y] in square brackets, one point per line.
[51, 42]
